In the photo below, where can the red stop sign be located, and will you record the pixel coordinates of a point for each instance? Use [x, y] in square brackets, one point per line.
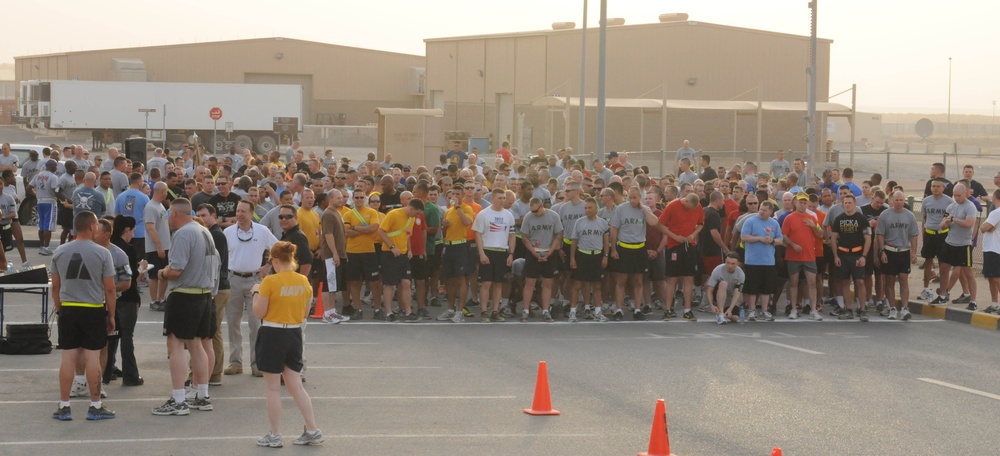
[215, 113]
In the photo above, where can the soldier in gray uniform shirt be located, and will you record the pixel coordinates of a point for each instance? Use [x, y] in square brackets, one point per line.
[519, 209]
[569, 212]
[588, 259]
[896, 244]
[933, 208]
[193, 278]
[956, 256]
[83, 291]
[542, 233]
[629, 259]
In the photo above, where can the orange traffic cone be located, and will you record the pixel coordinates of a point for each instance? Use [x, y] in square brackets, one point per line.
[776, 451]
[659, 437]
[542, 405]
[318, 313]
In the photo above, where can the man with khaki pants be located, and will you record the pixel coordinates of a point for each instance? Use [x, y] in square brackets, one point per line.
[208, 214]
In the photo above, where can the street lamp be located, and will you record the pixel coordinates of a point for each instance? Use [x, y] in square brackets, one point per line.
[146, 111]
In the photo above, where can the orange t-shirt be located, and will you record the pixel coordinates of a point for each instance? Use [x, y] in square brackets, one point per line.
[680, 220]
[476, 209]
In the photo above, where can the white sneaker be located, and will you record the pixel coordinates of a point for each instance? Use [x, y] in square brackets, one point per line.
[815, 316]
[993, 308]
[190, 393]
[44, 251]
[892, 313]
[926, 294]
[904, 314]
[752, 316]
[572, 317]
[79, 389]
[458, 318]
[768, 316]
[26, 265]
[720, 319]
[793, 314]
[448, 314]
[599, 316]
[332, 319]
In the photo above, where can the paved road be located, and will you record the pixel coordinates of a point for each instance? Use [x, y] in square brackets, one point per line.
[441, 388]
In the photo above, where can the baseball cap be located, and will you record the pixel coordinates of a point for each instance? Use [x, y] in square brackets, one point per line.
[612, 154]
[802, 196]
[50, 163]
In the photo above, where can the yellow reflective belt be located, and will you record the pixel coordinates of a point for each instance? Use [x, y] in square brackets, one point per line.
[190, 290]
[631, 246]
[92, 305]
[589, 252]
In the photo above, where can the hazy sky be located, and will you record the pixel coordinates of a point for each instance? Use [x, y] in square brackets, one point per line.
[896, 51]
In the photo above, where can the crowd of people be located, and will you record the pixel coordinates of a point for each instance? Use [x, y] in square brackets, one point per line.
[520, 236]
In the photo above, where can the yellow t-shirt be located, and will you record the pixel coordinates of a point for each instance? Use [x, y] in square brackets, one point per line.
[288, 294]
[397, 220]
[309, 223]
[457, 231]
[363, 243]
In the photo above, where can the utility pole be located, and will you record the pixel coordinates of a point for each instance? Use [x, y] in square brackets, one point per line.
[601, 64]
[811, 72]
[581, 133]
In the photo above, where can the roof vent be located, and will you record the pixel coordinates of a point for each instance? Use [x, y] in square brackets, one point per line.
[673, 17]
[563, 25]
[616, 21]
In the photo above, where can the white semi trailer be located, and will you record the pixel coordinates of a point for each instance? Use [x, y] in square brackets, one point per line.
[258, 115]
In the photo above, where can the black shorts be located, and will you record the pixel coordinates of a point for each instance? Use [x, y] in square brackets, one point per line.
[156, 263]
[189, 316]
[897, 263]
[497, 270]
[520, 251]
[318, 270]
[631, 261]
[991, 265]
[932, 245]
[682, 261]
[395, 269]
[473, 258]
[278, 348]
[361, 267]
[588, 267]
[760, 280]
[821, 263]
[139, 244]
[65, 217]
[455, 260]
[956, 255]
[434, 258]
[420, 267]
[7, 237]
[83, 327]
[848, 267]
[534, 269]
[657, 268]
[870, 268]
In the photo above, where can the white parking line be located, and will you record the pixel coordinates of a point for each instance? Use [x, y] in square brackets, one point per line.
[328, 437]
[960, 388]
[218, 399]
[309, 367]
[803, 350]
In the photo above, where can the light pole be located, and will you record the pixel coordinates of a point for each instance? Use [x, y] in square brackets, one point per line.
[581, 134]
[146, 111]
[601, 76]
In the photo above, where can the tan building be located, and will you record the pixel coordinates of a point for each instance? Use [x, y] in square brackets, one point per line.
[487, 85]
[341, 85]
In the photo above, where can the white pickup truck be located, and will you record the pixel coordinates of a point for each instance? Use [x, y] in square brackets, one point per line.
[26, 212]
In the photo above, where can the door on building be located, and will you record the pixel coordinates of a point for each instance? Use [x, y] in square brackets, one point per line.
[505, 117]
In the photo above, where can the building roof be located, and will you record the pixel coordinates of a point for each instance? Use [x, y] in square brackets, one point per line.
[833, 109]
[212, 43]
[624, 27]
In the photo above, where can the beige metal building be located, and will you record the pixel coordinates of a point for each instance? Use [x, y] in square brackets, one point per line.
[491, 85]
[341, 85]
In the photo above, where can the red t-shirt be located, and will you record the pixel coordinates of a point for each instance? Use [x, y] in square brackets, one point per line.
[796, 231]
[820, 216]
[505, 155]
[418, 237]
[653, 235]
[681, 221]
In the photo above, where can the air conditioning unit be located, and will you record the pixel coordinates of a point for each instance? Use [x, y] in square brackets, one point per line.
[418, 80]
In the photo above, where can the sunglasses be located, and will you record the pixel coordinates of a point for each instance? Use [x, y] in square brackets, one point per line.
[285, 217]
[359, 197]
[374, 201]
[752, 204]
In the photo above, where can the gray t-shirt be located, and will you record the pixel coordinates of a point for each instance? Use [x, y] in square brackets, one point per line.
[159, 163]
[687, 178]
[82, 163]
[543, 194]
[88, 199]
[735, 279]
[606, 174]
[196, 258]
[833, 213]
[82, 266]
[685, 152]
[7, 206]
[119, 182]
[957, 235]
[897, 228]
[569, 213]
[45, 184]
[123, 271]
[589, 234]
[8, 160]
[155, 213]
[541, 230]
[934, 210]
[630, 222]
[606, 213]
[779, 168]
[67, 185]
[29, 169]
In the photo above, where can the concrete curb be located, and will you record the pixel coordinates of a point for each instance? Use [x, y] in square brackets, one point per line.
[958, 315]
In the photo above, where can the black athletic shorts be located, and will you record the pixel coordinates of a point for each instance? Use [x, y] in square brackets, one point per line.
[497, 270]
[657, 268]
[683, 261]
[7, 237]
[83, 327]
[278, 348]
[64, 217]
[534, 269]
[991, 265]
[932, 245]
[898, 263]
[520, 251]
[420, 267]
[473, 258]
[848, 267]
[395, 269]
[631, 261]
[156, 263]
[760, 280]
[588, 267]
[189, 316]
[455, 260]
[361, 267]
[956, 255]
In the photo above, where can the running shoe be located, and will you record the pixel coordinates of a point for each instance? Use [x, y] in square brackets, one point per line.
[806, 310]
[847, 314]
[270, 440]
[646, 310]
[793, 313]
[391, 317]
[433, 302]
[572, 317]
[446, 315]
[424, 314]
[837, 311]
[972, 306]
[495, 317]
[45, 251]
[158, 306]
[412, 317]
[599, 316]
[863, 316]
[962, 299]
[310, 438]
[506, 312]
[62, 414]
[204, 404]
[815, 316]
[331, 319]
[885, 311]
[618, 315]
[939, 301]
[689, 316]
[926, 294]
[79, 389]
[378, 315]
[638, 315]
[993, 308]
[468, 313]
[171, 407]
[546, 316]
[671, 314]
[720, 319]
[879, 306]
[893, 313]
[588, 314]
[458, 317]
[788, 310]
[524, 316]
[768, 316]
[752, 316]
[904, 314]
[484, 317]
[703, 308]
